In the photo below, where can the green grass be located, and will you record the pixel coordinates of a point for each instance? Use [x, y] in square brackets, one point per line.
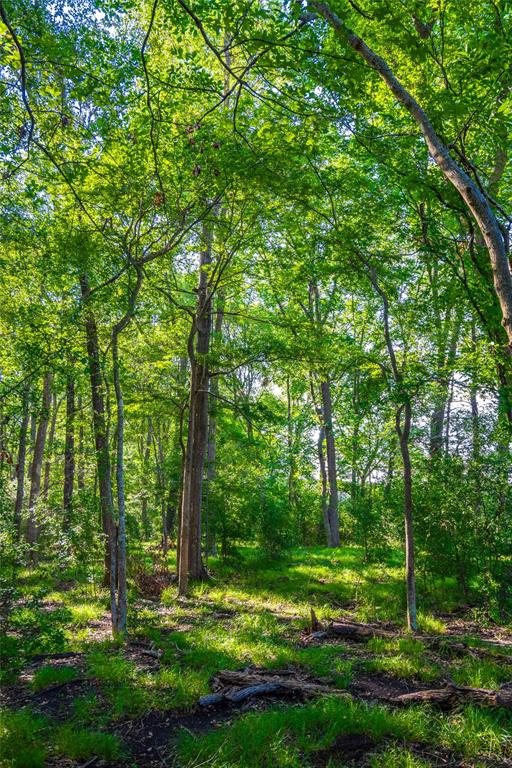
[397, 757]
[253, 612]
[48, 676]
[21, 739]
[289, 737]
[83, 613]
[403, 657]
[80, 744]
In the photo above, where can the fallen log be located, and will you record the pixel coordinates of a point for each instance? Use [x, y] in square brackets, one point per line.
[350, 630]
[236, 686]
[63, 655]
[453, 695]
[361, 633]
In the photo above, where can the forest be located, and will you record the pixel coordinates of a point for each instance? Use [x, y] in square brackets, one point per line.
[256, 383]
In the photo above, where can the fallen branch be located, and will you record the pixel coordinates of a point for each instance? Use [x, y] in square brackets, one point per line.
[452, 695]
[238, 686]
[361, 633]
[64, 655]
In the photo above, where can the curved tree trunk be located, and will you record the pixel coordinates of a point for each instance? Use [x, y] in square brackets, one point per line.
[475, 199]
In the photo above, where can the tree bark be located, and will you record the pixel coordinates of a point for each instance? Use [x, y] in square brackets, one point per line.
[51, 437]
[211, 451]
[321, 464]
[37, 464]
[191, 565]
[403, 433]
[20, 464]
[120, 625]
[333, 501]
[474, 198]
[69, 452]
[100, 441]
[147, 453]
[81, 458]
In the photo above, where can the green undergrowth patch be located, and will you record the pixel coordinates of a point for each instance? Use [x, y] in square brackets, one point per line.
[480, 673]
[402, 657]
[28, 740]
[81, 744]
[49, 675]
[22, 742]
[289, 737]
[397, 757]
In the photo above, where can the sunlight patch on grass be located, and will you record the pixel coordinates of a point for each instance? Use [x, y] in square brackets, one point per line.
[402, 657]
[83, 613]
[479, 673]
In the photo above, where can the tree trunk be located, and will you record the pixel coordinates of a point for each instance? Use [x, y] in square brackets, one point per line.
[332, 506]
[37, 464]
[403, 433]
[81, 457]
[211, 452]
[100, 441]
[51, 438]
[147, 453]
[475, 199]
[20, 464]
[119, 625]
[191, 565]
[321, 464]
[69, 453]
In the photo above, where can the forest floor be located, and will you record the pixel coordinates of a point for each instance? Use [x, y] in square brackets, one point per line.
[73, 697]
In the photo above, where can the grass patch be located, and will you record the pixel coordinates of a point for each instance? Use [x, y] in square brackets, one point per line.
[288, 737]
[403, 657]
[21, 739]
[479, 673]
[51, 675]
[83, 613]
[80, 744]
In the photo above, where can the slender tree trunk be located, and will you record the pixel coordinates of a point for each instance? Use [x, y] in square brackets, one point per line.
[51, 438]
[403, 433]
[69, 452]
[323, 477]
[191, 565]
[147, 453]
[33, 429]
[37, 464]
[81, 457]
[120, 624]
[321, 464]
[474, 198]
[332, 507]
[475, 418]
[101, 444]
[211, 451]
[291, 457]
[20, 464]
